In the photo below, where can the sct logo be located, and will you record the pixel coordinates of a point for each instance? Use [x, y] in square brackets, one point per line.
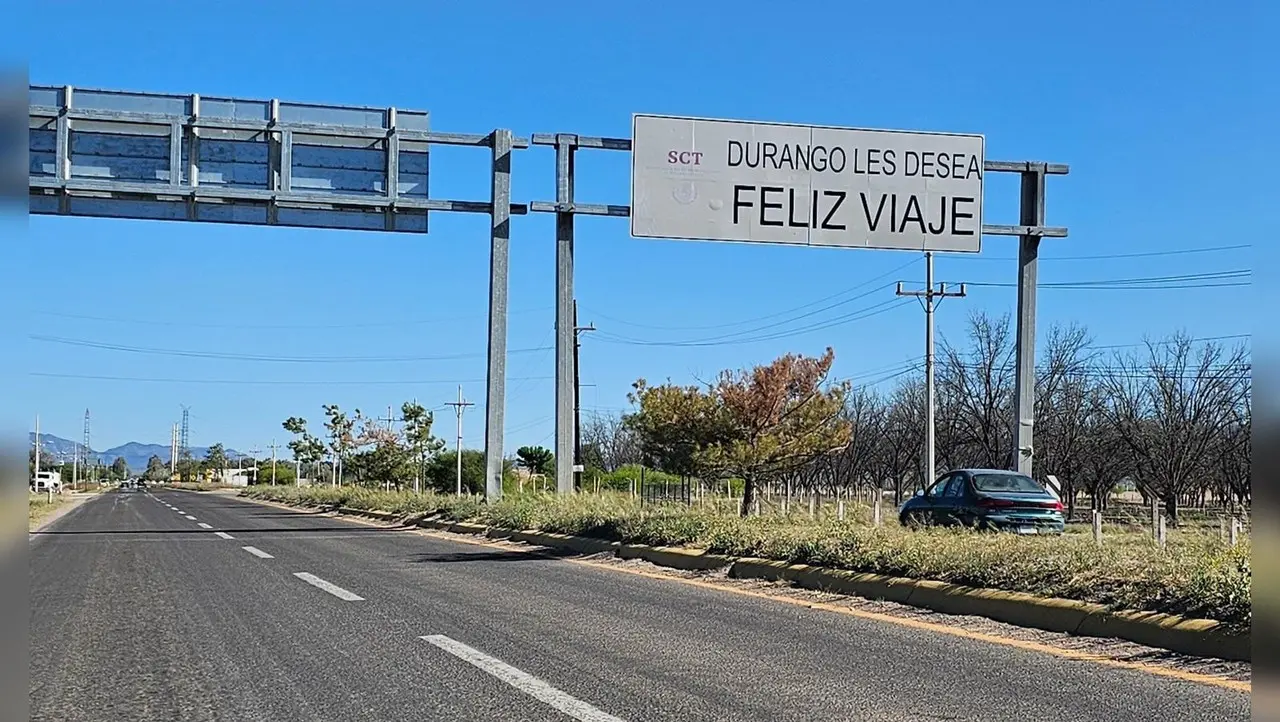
[684, 157]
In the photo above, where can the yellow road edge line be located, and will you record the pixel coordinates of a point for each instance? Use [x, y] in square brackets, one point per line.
[1181, 675]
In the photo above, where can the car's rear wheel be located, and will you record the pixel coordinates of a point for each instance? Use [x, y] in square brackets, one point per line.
[915, 519]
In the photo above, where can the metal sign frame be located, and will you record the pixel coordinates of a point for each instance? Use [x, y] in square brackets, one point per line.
[1029, 230]
[143, 156]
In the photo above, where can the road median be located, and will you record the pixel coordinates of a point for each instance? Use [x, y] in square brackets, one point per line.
[1188, 635]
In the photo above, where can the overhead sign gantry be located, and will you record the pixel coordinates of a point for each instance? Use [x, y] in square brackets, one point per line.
[117, 154]
[756, 182]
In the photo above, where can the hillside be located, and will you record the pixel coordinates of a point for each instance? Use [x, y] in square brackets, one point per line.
[135, 453]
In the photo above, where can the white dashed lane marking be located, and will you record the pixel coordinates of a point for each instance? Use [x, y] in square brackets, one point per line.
[329, 587]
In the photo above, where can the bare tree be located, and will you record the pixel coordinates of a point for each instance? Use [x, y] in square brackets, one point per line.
[901, 450]
[976, 390]
[1105, 456]
[1064, 404]
[608, 443]
[854, 465]
[1171, 406]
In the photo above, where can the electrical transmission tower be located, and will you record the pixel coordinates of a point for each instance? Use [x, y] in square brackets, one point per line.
[184, 442]
[81, 463]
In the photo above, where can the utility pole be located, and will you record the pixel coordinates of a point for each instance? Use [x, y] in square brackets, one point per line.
[577, 400]
[253, 455]
[173, 451]
[273, 447]
[37, 474]
[929, 298]
[391, 430]
[459, 406]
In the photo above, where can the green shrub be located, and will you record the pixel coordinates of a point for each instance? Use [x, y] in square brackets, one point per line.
[1195, 575]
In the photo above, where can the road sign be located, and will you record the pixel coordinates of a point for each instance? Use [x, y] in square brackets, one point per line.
[726, 180]
[1053, 486]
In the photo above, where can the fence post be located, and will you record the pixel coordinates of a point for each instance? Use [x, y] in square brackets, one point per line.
[840, 510]
[1097, 527]
[875, 511]
[1160, 532]
[1235, 531]
[813, 504]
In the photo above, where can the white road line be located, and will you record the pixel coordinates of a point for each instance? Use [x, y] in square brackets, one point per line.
[258, 552]
[192, 518]
[202, 525]
[333, 589]
[224, 535]
[176, 509]
[522, 681]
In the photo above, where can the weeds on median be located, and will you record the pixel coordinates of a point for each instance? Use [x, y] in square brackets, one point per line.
[39, 506]
[199, 486]
[1195, 575]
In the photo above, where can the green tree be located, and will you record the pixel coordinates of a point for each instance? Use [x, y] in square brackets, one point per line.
[306, 448]
[120, 469]
[215, 461]
[47, 461]
[157, 470]
[284, 474]
[755, 424]
[188, 469]
[442, 471]
[421, 443]
[341, 430]
[536, 459]
[675, 424]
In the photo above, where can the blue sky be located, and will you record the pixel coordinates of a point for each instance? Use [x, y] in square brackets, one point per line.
[1148, 108]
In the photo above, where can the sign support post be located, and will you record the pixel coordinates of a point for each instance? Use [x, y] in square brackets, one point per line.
[1031, 212]
[500, 141]
[566, 334]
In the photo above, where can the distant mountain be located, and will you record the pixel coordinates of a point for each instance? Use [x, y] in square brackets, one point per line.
[135, 454]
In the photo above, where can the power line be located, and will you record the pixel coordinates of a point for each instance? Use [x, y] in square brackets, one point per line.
[1215, 279]
[1110, 256]
[281, 327]
[1180, 281]
[224, 356]
[271, 382]
[913, 261]
[766, 317]
[1202, 339]
[859, 315]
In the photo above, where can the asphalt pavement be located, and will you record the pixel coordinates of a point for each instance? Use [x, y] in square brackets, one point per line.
[170, 605]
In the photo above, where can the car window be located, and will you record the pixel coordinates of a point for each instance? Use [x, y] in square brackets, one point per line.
[1016, 483]
[940, 488]
[956, 488]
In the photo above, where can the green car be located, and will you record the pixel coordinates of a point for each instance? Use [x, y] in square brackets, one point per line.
[986, 499]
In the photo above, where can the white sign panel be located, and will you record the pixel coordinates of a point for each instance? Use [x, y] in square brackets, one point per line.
[724, 180]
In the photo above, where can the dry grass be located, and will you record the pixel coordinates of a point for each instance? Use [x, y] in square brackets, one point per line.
[39, 506]
[200, 486]
[1196, 574]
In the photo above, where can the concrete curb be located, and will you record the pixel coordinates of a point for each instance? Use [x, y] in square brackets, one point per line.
[1199, 637]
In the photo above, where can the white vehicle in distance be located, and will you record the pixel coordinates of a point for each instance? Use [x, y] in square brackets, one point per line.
[46, 481]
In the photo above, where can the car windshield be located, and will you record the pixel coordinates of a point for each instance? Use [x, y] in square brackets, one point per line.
[1006, 482]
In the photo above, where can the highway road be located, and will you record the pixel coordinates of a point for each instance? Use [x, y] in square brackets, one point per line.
[169, 605]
